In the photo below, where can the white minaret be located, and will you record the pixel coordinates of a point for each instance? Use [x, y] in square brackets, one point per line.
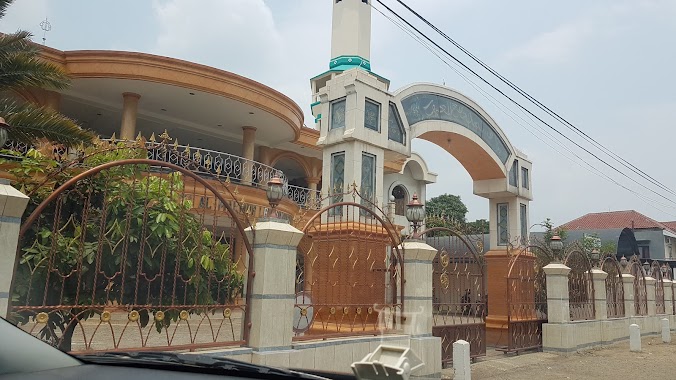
[351, 35]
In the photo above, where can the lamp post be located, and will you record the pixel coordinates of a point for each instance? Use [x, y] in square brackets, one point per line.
[595, 256]
[415, 213]
[556, 245]
[3, 131]
[275, 193]
[646, 268]
[624, 262]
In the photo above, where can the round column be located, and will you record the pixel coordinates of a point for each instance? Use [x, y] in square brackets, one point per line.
[248, 140]
[129, 112]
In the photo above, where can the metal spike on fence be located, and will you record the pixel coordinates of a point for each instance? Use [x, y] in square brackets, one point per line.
[113, 137]
[152, 138]
[165, 136]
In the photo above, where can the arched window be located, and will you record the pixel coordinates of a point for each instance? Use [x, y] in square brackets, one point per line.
[400, 198]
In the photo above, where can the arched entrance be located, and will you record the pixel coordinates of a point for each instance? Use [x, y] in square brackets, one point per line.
[135, 254]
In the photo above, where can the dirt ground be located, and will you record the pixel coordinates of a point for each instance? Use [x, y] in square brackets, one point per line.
[657, 361]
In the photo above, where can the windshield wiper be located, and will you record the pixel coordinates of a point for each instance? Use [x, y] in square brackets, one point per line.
[170, 360]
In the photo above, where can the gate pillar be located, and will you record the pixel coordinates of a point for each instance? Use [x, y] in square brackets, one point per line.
[650, 284]
[497, 270]
[629, 294]
[600, 294]
[273, 293]
[12, 205]
[417, 304]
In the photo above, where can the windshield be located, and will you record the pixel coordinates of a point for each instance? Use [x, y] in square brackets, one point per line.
[298, 184]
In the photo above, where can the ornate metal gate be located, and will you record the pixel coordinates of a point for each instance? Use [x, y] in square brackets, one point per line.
[459, 291]
[135, 254]
[640, 291]
[526, 299]
[614, 286]
[349, 272]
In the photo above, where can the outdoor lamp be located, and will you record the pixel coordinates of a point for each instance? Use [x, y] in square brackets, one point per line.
[624, 262]
[275, 192]
[415, 213]
[556, 245]
[3, 132]
[595, 254]
[646, 267]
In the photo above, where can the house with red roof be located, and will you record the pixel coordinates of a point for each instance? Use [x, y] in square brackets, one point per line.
[655, 240]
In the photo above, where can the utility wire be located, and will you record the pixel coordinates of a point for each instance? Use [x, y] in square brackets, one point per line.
[521, 106]
[540, 105]
[589, 167]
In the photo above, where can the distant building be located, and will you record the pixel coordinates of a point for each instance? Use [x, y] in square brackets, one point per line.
[655, 240]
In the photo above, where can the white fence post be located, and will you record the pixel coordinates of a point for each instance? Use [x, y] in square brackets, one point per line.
[461, 361]
[600, 296]
[628, 288]
[666, 331]
[12, 205]
[558, 302]
[634, 338]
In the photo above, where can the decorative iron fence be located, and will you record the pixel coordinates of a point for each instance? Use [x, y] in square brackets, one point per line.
[117, 259]
[304, 197]
[349, 278]
[458, 291]
[614, 286]
[640, 292]
[580, 286]
[656, 273]
[526, 299]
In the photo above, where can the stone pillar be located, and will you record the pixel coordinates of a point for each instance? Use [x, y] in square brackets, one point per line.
[248, 140]
[600, 296]
[650, 291]
[417, 304]
[461, 361]
[558, 302]
[628, 288]
[12, 205]
[53, 100]
[129, 112]
[273, 293]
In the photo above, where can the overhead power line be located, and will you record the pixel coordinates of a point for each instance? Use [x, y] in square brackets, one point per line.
[473, 72]
[540, 105]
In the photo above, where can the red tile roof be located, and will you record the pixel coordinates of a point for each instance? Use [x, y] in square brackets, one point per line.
[616, 219]
[671, 225]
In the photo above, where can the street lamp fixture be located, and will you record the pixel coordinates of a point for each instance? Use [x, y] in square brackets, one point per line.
[595, 256]
[275, 192]
[4, 127]
[624, 262]
[556, 245]
[415, 213]
[646, 268]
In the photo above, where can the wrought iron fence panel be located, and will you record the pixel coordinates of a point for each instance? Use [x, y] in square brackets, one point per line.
[304, 197]
[458, 291]
[640, 291]
[122, 257]
[656, 273]
[526, 299]
[614, 286]
[580, 286]
[349, 274]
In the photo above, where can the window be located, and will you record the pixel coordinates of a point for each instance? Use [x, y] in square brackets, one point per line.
[395, 128]
[337, 181]
[368, 179]
[503, 223]
[338, 114]
[524, 223]
[372, 115]
[524, 178]
[644, 251]
[514, 174]
[400, 199]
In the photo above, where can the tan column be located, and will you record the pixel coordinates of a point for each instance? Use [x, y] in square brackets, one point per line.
[53, 100]
[629, 305]
[558, 303]
[313, 199]
[129, 111]
[600, 294]
[248, 140]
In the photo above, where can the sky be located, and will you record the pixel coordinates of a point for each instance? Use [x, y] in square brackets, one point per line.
[605, 65]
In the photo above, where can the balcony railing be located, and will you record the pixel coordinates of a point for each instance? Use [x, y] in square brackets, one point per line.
[304, 197]
[206, 162]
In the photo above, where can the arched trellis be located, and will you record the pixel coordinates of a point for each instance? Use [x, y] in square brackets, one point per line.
[580, 285]
[640, 291]
[115, 265]
[614, 286]
[349, 272]
[459, 293]
[656, 273]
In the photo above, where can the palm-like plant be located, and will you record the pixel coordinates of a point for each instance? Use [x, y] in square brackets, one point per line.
[21, 68]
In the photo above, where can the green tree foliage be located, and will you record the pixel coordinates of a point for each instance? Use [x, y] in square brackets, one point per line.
[448, 207]
[479, 226]
[22, 68]
[141, 215]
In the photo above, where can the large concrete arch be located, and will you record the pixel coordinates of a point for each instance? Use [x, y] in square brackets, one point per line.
[458, 125]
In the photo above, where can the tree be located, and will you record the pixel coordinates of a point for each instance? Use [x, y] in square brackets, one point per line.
[479, 226]
[22, 68]
[448, 207]
[131, 212]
